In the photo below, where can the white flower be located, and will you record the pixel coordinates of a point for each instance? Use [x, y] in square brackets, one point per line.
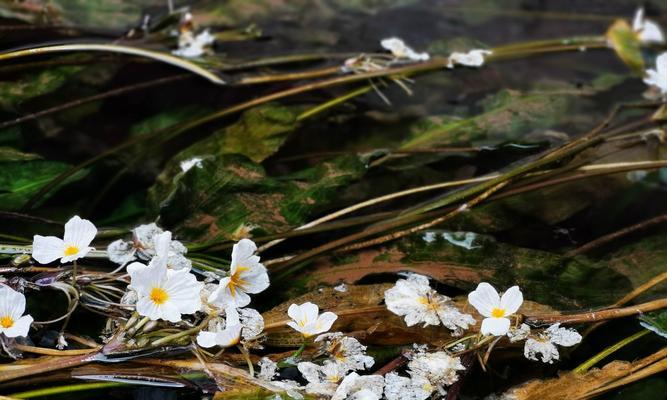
[308, 321]
[346, 350]
[253, 323]
[496, 309]
[246, 275]
[75, 244]
[229, 336]
[356, 387]
[414, 299]
[473, 58]
[341, 288]
[147, 242]
[398, 387]
[193, 46]
[267, 369]
[12, 306]
[658, 77]
[188, 164]
[164, 293]
[399, 49]
[518, 334]
[545, 343]
[322, 379]
[648, 31]
[439, 368]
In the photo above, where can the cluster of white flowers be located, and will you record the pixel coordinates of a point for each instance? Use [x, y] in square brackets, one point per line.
[429, 372]
[417, 302]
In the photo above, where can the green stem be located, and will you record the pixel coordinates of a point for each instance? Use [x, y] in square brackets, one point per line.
[333, 102]
[179, 335]
[79, 387]
[611, 349]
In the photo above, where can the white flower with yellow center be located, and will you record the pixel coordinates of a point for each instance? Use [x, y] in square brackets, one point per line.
[307, 319]
[12, 306]
[246, 275]
[439, 368]
[164, 293]
[414, 299]
[322, 379]
[345, 350]
[647, 31]
[496, 309]
[75, 244]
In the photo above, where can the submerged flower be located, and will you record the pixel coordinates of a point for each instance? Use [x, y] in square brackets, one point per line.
[228, 336]
[545, 343]
[147, 242]
[322, 379]
[647, 31]
[658, 77]
[164, 293]
[400, 50]
[193, 46]
[75, 244]
[439, 368]
[360, 387]
[518, 334]
[496, 309]
[473, 58]
[346, 350]
[246, 275]
[12, 306]
[414, 299]
[398, 387]
[307, 319]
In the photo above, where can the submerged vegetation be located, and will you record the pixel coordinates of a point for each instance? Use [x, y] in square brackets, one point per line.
[341, 200]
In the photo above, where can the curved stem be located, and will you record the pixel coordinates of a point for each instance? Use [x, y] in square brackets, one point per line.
[604, 353]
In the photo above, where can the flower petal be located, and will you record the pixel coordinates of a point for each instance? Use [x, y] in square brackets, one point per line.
[325, 321]
[47, 249]
[495, 326]
[511, 300]
[79, 232]
[206, 339]
[485, 298]
[20, 328]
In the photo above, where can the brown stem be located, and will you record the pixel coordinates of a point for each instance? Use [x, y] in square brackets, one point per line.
[594, 316]
[615, 235]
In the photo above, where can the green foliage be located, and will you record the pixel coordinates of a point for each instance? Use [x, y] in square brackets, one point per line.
[226, 195]
[23, 174]
[15, 92]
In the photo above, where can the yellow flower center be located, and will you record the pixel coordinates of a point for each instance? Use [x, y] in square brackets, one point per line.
[497, 313]
[6, 321]
[71, 250]
[159, 296]
[236, 282]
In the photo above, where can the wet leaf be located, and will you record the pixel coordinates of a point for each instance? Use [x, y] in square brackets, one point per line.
[258, 134]
[23, 174]
[506, 116]
[15, 92]
[656, 322]
[221, 194]
[626, 43]
[545, 277]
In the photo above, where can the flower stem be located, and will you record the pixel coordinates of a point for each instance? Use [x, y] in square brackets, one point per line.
[179, 335]
[251, 368]
[604, 353]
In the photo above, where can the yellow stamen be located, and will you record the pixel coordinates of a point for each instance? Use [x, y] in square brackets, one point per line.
[159, 296]
[235, 281]
[71, 250]
[6, 321]
[497, 313]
